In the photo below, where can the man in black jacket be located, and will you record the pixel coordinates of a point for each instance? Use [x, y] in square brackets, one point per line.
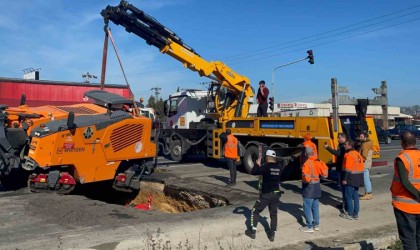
[339, 153]
[269, 193]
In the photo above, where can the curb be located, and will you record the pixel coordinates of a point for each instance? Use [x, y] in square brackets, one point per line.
[373, 243]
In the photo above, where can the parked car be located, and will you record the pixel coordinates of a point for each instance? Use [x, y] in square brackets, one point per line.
[400, 128]
[383, 135]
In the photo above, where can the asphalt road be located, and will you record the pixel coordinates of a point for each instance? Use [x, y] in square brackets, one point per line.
[50, 221]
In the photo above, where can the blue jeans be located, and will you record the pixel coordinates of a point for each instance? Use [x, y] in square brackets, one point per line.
[344, 208]
[352, 200]
[311, 211]
[368, 185]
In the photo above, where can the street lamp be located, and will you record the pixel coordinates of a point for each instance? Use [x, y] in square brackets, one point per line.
[310, 59]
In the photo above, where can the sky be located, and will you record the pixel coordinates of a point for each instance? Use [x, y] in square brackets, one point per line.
[361, 43]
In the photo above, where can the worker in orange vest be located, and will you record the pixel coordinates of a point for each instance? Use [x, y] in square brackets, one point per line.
[405, 189]
[312, 171]
[231, 154]
[307, 142]
[353, 179]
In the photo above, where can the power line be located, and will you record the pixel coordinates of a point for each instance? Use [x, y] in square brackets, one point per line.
[254, 54]
[333, 41]
[327, 32]
[324, 37]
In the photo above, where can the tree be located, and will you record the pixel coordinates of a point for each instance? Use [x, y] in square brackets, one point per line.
[157, 106]
[160, 110]
[151, 103]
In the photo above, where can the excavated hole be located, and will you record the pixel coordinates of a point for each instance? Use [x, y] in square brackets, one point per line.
[172, 199]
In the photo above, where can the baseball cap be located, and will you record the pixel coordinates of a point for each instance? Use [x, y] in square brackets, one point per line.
[270, 153]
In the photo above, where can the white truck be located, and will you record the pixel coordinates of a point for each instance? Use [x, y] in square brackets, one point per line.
[185, 130]
[184, 107]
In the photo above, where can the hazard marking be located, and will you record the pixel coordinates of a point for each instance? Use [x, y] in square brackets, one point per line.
[88, 133]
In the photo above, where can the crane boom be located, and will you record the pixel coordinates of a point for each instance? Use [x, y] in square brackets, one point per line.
[235, 103]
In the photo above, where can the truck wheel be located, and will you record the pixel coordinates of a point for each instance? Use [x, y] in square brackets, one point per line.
[176, 150]
[250, 157]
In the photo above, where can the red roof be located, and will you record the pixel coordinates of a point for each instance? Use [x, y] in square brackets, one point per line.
[39, 92]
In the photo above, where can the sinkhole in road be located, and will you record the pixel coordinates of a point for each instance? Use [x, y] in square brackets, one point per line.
[174, 199]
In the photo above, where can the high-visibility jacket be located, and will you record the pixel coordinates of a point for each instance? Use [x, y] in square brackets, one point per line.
[313, 169]
[401, 198]
[311, 172]
[353, 168]
[231, 147]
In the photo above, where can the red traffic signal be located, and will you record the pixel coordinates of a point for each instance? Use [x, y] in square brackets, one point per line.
[310, 57]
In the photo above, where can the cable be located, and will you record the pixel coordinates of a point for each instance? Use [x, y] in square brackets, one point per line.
[337, 34]
[327, 32]
[253, 54]
[333, 41]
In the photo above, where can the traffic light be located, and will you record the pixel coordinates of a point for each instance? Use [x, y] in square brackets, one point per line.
[310, 57]
[271, 103]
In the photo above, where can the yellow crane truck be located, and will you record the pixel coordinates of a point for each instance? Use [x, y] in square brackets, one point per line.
[227, 105]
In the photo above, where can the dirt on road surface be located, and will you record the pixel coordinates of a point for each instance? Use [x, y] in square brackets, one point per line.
[172, 199]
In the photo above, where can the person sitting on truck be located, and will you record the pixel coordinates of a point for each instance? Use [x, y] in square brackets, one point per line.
[262, 97]
[231, 145]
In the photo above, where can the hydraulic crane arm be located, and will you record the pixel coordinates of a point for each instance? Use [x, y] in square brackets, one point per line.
[154, 33]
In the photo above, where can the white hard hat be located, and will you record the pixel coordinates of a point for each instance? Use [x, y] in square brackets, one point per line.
[270, 153]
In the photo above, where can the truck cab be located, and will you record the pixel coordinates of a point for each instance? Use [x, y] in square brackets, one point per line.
[184, 107]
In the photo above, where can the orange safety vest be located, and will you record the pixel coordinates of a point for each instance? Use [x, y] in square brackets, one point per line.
[231, 147]
[401, 198]
[312, 169]
[353, 162]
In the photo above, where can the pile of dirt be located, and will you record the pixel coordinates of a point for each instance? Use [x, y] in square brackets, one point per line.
[170, 199]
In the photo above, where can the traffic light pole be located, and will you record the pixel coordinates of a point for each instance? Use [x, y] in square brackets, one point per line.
[311, 61]
[287, 64]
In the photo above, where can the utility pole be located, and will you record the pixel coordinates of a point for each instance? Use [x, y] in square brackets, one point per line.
[360, 104]
[87, 76]
[383, 101]
[156, 90]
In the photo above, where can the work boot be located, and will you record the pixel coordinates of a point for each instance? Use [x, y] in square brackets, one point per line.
[251, 233]
[271, 235]
[366, 196]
